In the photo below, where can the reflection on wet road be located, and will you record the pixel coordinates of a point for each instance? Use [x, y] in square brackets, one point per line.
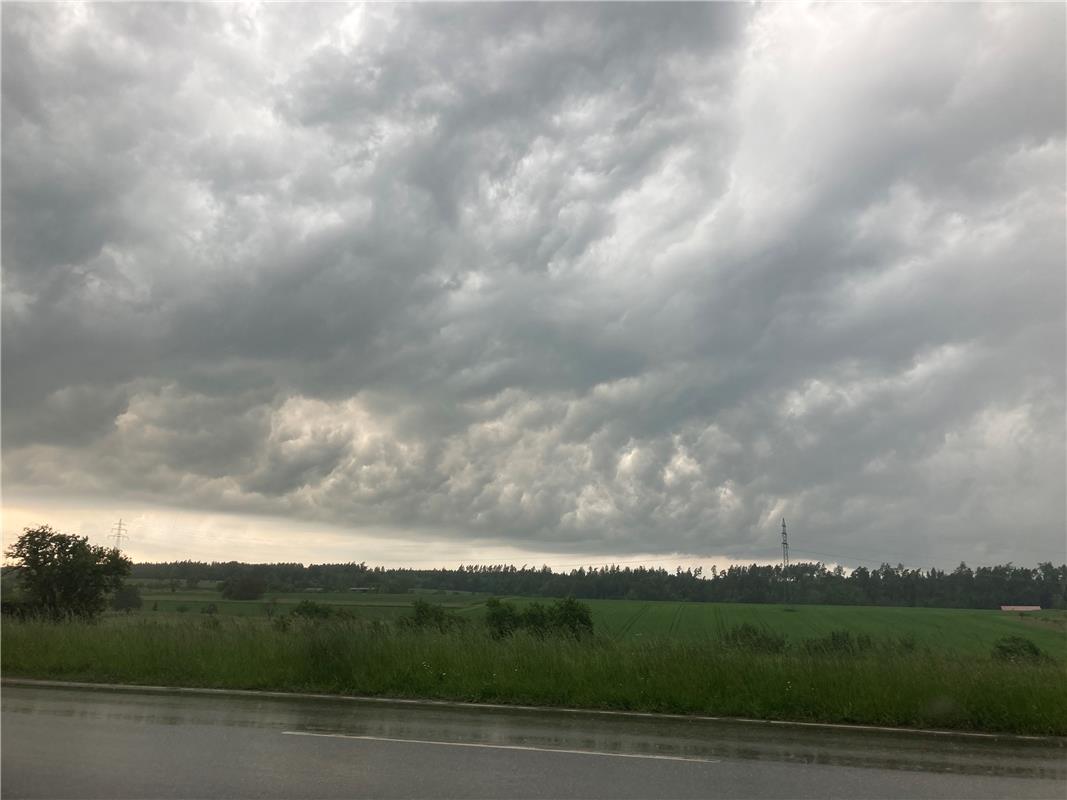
[79, 743]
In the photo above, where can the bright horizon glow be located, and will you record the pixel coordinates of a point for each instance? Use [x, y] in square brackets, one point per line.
[160, 534]
[157, 535]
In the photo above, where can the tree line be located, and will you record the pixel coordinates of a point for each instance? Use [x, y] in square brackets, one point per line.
[982, 587]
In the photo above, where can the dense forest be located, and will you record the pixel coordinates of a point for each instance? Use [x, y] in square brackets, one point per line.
[963, 587]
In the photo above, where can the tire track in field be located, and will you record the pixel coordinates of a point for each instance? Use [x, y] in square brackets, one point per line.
[674, 620]
[640, 613]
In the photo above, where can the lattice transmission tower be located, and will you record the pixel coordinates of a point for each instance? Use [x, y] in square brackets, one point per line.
[118, 533]
[785, 546]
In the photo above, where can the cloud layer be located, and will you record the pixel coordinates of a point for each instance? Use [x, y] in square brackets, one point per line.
[603, 279]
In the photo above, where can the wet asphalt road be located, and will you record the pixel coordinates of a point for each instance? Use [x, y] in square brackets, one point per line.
[59, 742]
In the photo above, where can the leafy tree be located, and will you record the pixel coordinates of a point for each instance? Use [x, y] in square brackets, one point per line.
[62, 575]
[127, 598]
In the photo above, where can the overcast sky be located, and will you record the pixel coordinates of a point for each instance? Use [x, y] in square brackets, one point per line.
[421, 284]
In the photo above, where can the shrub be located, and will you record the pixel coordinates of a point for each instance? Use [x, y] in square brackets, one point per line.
[310, 610]
[906, 643]
[839, 643]
[210, 608]
[501, 618]
[748, 637]
[570, 616]
[535, 619]
[1017, 650]
[426, 616]
[563, 618]
[126, 598]
[19, 609]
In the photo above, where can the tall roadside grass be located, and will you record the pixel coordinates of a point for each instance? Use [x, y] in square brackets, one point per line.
[881, 685]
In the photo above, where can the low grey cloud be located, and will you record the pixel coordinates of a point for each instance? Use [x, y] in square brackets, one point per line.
[582, 278]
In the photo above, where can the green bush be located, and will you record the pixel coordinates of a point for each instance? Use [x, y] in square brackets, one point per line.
[839, 643]
[1017, 650]
[126, 598]
[905, 643]
[563, 618]
[752, 639]
[426, 616]
[501, 618]
[17, 608]
[310, 610]
[536, 620]
[570, 616]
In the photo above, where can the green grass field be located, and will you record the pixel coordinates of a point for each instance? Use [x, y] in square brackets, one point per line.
[923, 667]
[367, 606]
[962, 631]
[884, 686]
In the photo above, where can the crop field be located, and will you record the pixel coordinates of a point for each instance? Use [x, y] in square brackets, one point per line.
[959, 630]
[367, 606]
[963, 631]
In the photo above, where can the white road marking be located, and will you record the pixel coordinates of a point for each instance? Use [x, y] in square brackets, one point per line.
[502, 747]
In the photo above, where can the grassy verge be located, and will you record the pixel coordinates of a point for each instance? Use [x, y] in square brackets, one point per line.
[882, 687]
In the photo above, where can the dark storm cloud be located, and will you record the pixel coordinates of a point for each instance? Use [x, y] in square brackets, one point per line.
[594, 278]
